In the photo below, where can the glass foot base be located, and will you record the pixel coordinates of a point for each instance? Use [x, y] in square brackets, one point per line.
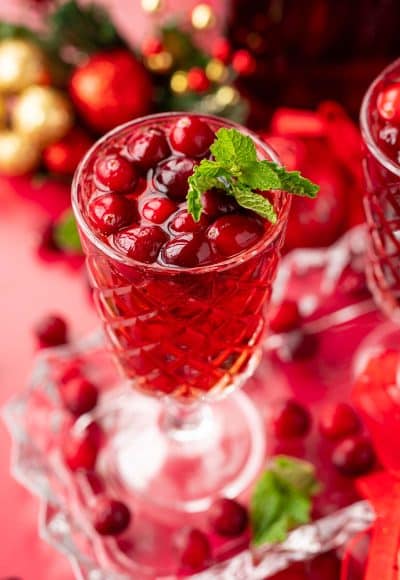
[177, 469]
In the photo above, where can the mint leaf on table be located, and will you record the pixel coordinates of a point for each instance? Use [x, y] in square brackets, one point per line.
[282, 499]
[236, 170]
[66, 233]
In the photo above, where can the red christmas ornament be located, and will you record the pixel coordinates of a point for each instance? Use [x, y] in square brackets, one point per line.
[152, 46]
[197, 80]
[221, 50]
[64, 156]
[110, 89]
[243, 62]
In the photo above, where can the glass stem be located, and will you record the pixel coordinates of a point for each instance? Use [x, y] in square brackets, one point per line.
[185, 422]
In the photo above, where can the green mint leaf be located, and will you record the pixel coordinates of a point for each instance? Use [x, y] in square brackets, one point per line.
[260, 175]
[294, 182]
[233, 149]
[281, 499]
[66, 233]
[206, 175]
[256, 202]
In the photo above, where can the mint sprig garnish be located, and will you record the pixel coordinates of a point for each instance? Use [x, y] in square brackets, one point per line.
[66, 233]
[281, 499]
[236, 169]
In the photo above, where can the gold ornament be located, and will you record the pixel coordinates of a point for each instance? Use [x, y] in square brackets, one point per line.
[216, 71]
[18, 155]
[226, 96]
[179, 82]
[203, 17]
[43, 114]
[160, 62]
[22, 64]
[151, 5]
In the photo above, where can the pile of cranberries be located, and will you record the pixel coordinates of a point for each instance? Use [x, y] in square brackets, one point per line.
[386, 119]
[137, 200]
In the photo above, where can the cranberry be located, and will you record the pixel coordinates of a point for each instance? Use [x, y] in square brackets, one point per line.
[95, 434]
[295, 571]
[47, 241]
[233, 233]
[196, 553]
[115, 173]
[187, 250]
[110, 517]
[228, 517]
[110, 212]
[183, 222]
[217, 202]
[79, 395]
[291, 420]
[354, 456]
[79, 452]
[148, 148]
[197, 80]
[388, 102]
[51, 331]
[285, 317]
[158, 209]
[171, 176]
[325, 566]
[338, 420]
[142, 243]
[191, 136]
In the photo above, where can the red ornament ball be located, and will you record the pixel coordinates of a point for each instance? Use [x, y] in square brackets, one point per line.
[111, 88]
[221, 49]
[243, 62]
[197, 80]
[151, 46]
[63, 156]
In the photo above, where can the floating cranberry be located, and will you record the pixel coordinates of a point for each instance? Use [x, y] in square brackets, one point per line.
[115, 173]
[158, 209]
[196, 553]
[231, 234]
[228, 517]
[79, 451]
[110, 212]
[171, 176]
[216, 203]
[388, 102]
[79, 395]
[291, 420]
[51, 330]
[110, 517]
[142, 243]
[183, 222]
[191, 136]
[149, 148]
[338, 420]
[285, 317]
[187, 250]
[354, 456]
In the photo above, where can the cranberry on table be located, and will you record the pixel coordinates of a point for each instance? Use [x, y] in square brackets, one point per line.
[338, 420]
[51, 330]
[228, 517]
[191, 136]
[285, 317]
[388, 102]
[115, 173]
[183, 222]
[142, 243]
[187, 250]
[196, 552]
[216, 203]
[291, 419]
[171, 176]
[231, 234]
[149, 148]
[158, 209]
[110, 212]
[354, 456]
[109, 516]
[79, 451]
[79, 395]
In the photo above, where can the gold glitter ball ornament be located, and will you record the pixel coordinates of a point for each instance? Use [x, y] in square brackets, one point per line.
[203, 16]
[22, 64]
[179, 82]
[43, 114]
[18, 155]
